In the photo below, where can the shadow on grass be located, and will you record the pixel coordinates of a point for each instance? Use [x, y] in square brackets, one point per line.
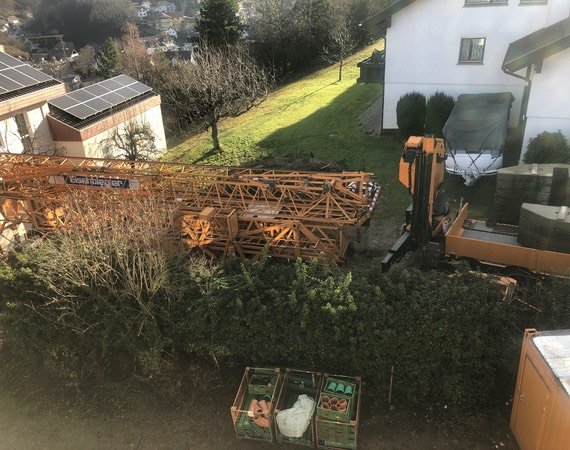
[333, 133]
[206, 155]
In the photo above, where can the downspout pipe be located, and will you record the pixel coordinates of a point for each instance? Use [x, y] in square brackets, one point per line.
[526, 92]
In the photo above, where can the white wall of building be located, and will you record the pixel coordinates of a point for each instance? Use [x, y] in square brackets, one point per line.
[422, 48]
[93, 147]
[37, 127]
[10, 140]
[549, 101]
[37, 120]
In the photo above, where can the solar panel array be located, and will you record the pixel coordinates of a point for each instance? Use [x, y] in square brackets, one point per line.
[16, 75]
[100, 97]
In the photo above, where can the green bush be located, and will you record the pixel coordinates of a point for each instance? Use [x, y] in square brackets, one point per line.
[438, 109]
[451, 340]
[548, 147]
[411, 114]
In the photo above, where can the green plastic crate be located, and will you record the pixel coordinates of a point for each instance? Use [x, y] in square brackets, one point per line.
[296, 382]
[245, 427]
[268, 386]
[337, 416]
[337, 434]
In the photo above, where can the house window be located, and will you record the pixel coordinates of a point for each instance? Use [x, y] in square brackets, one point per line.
[472, 50]
[485, 2]
[534, 2]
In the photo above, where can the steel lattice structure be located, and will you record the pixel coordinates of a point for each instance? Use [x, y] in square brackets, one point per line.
[223, 210]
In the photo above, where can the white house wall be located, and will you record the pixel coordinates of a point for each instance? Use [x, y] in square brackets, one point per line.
[37, 121]
[93, 147]
[422, 48]
[549, 101]
[10, 137]
[38, 128]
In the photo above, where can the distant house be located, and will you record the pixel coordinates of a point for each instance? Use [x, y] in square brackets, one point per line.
[480, 46]
[164, 7]
[13, 21]
[177, 20]
[142, 12]
[172, 33]
[163, 22]
[63, 51]
[23, 107]
[149, 41]
[82, 121]
[72, 81]
[146, 5]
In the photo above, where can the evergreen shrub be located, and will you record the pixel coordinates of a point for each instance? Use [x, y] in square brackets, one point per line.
[411, 114]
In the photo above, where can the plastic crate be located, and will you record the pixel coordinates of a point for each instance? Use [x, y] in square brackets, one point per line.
[348, 397]
[247, 425]
[295, 383]
[338, 379]
[336, 434]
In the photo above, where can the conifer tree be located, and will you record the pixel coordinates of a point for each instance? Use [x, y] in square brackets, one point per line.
[108, 59]
[219, 22]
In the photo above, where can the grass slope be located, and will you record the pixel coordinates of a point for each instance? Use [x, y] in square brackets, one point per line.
[316, 117]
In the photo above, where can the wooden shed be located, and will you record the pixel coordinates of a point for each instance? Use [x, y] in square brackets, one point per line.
[540, 419]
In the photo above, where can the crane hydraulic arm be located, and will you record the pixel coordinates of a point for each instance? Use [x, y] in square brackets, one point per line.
[421, 171]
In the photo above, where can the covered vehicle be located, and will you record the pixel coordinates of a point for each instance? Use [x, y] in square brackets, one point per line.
[475, 135]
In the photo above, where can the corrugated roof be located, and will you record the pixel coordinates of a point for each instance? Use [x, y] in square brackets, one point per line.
[537, 46]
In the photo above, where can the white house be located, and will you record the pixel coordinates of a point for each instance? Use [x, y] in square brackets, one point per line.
[164, 7]
[142, 12]
[83, 121]
[543, 59]
[163, 22]
[146, 5]
[171, 32]
[459, 47]
[24, 93]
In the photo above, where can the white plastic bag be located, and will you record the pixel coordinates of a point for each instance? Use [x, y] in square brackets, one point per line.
[293, 422]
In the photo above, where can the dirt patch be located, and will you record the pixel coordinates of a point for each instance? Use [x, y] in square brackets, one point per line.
[206, 424]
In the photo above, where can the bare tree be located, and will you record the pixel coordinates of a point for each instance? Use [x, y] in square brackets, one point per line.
[85, 62]
[135, 61]
[134, 141]
[341, 42]
[222, 82]
[115, 264]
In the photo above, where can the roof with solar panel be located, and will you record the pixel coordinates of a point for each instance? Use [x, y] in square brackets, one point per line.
[86, 106]
[17, 78]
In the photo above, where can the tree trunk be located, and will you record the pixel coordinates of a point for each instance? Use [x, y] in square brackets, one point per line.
[340, 70]
[215, 139]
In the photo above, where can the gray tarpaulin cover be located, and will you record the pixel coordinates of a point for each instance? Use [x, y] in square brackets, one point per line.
[478, 122]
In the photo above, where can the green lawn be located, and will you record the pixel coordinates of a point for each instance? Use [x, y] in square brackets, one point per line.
[313, 117]
[317, 117]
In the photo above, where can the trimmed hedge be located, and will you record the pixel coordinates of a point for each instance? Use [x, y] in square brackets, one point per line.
[548, 147]
[411, 114]
[438, 109]
[450, 339]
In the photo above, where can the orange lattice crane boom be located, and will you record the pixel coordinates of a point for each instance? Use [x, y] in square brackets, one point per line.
[223, 210]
